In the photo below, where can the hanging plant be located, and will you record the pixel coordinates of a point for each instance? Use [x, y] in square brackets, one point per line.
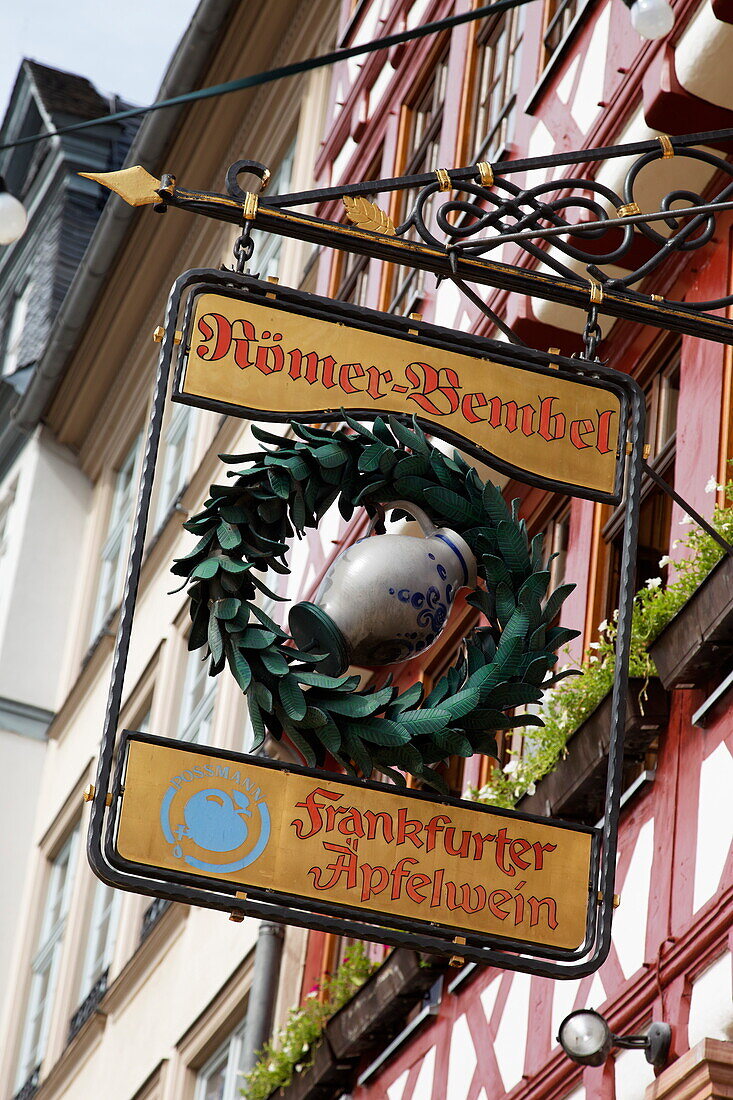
[243, 531]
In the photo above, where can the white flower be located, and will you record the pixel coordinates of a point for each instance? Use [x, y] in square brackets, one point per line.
[685, 521]
[664, 560]
[511, 767]
[712, 486]
[531, 788]
[603, 626]
[654, 582]
[676, 543]
[594, 645]
[592, 660]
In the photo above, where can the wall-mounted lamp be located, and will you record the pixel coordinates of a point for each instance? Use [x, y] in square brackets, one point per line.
[13, 216]
[585, 1037]
[651, 18]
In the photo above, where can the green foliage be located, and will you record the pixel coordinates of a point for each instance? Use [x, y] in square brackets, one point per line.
[244, 528]
[290, 1052]
[567, 706]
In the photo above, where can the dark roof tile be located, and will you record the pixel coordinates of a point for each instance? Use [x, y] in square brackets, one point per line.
[66, 93]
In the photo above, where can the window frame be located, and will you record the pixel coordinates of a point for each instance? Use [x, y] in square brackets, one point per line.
[407, 284]
[352, 270]
[268, 247]
[179, 439]
[46, 958]
[194, 717]
[231, 1049]
[17, 316]
[486, 148]
[117, 538]
[94, 966]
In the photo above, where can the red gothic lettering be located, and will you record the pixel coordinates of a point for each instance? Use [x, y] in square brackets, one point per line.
[432, 383]
[552, 425]
[579, 428]
[344, 866]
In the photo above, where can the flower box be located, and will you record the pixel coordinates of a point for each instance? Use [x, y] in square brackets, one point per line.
[378, 1010]
[326, 1077]
[576, 789]
[365, 1024]
[699, 639]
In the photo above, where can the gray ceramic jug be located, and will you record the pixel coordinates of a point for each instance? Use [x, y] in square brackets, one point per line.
[385, 598]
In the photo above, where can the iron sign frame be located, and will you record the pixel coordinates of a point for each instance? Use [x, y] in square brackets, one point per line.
[420, 333]
[100, 840]
[387, 929]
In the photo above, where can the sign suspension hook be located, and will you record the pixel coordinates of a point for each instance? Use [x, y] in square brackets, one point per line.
[592, 334]
[243, 247]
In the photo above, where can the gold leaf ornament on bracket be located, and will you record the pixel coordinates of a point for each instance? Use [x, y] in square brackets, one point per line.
[367, 215]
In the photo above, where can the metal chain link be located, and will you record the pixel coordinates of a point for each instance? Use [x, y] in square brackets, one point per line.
[592, 334]
[243, 247]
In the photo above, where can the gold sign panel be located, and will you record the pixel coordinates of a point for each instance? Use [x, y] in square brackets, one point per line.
[260, 357]
[392, 853]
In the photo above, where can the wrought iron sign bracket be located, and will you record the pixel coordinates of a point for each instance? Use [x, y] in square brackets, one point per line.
[453, 240]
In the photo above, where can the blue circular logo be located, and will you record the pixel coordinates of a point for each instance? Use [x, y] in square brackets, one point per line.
[215, 818]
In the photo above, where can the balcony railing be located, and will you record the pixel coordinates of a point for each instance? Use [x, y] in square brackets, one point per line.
[88, 1006]
[152, 915]
[30, 1088]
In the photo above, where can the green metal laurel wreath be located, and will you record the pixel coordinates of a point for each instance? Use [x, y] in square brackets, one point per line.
[243, 531]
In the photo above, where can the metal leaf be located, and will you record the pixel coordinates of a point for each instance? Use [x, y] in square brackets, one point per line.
[292, 698]
[367, 215]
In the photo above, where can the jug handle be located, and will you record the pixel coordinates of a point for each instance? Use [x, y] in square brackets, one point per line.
[426, 524]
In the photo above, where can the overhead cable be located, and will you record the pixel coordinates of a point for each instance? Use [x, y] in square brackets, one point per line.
[280, 73]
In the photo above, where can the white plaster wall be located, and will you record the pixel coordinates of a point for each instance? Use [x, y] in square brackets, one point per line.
[633, 1075]
[397, 1088]
[511, 1037]
[714, 829]
[563, 1003]
[150, 1024]
[702, 57]
[22, 761]
[424, 1084]
[462, 1061]
[711, 1003]
[40, 571]
[630, 919]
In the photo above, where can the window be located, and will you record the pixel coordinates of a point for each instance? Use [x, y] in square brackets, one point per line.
[559, 16]
[268, 246]
[111, 577]
[178, 443]
[353, 270]
[353, 278]
[6, 505]
[198, 701]
[498, 46]
[655, 516]
[16, 327]
[45, 964]
[424, 123]
[101, 936]
[220, 1079]
[557, 534]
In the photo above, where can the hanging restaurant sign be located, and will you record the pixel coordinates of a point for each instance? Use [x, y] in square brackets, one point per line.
[316, 842]
[270, 353]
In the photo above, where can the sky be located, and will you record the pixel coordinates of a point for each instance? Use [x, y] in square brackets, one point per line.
[121, 46]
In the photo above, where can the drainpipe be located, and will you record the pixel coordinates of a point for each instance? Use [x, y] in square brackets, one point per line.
[268, 953]
[263, 994]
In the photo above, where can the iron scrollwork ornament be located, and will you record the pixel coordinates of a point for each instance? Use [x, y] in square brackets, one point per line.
[243, 531]
[490, 217]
